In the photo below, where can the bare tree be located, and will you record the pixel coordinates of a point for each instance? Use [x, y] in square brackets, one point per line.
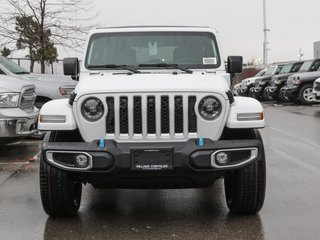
[62, 18]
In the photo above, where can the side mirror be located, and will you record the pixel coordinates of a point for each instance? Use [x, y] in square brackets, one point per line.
[71, 67]
[235, 64]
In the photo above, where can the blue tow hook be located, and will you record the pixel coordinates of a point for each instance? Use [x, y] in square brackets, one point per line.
[102, 143]
[200, 142]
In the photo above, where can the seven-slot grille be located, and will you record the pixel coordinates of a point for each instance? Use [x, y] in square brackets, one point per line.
[151, 115]
[257, 83]
[27, 100]
[290, 83]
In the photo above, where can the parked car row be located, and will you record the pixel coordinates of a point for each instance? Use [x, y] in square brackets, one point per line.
[21, 94]
[285, 82]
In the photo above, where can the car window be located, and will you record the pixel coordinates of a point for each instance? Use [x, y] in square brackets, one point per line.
[270, 70]
[279, 68]
[261, 73]
[11, 66]
[190, 49]
[286, 69]
[306, 66]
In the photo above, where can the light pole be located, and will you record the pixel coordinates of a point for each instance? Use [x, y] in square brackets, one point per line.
[300, 54]
[265, 31]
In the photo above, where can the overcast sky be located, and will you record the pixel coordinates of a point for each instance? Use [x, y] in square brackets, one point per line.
[293, 24]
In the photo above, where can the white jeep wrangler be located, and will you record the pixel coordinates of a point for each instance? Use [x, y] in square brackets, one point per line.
[152, 109]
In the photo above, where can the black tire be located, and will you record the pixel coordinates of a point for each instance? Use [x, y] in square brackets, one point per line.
[283, 97]
[305, 95]
[60, 190]
[245, 188]
[266, 95]
[250, 93]
[39, 104]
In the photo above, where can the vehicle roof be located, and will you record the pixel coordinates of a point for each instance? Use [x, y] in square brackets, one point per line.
[153, 28]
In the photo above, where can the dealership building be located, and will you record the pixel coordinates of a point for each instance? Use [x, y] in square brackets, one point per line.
[316, 49]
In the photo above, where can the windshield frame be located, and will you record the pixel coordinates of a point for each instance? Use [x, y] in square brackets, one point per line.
[186, 66]
[261, 73]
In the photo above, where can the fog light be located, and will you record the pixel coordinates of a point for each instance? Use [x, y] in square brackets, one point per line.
[82, 160]
[222, 158]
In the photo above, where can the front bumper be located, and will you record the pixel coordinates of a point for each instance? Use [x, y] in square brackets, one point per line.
[244, 91]
[192, 165]
[316, 96]
[273, 91]
[17, 127]
[257, 92]
[291, 92]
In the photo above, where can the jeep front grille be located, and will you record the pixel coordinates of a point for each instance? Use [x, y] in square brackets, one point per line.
[151, 116]
[27, 100]
[273, 83]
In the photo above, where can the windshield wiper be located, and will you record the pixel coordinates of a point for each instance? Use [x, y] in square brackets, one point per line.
[114, 66]
[166, 65]
[22, 72]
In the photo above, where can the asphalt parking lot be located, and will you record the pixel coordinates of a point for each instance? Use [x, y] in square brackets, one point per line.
[291, 210]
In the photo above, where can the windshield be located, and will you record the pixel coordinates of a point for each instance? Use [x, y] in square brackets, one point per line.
[306, 66]
[11, 66]
[270, 70]
[188, 49]
[286, 69]
[261, 73]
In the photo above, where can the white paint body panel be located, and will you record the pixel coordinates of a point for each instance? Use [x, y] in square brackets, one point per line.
[58, 107]
[245, 105]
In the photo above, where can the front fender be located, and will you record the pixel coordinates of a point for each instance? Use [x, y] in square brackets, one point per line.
[57, 115]
[242, 107]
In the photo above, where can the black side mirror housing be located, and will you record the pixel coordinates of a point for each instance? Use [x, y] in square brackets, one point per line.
[235, 64]
[71, 67]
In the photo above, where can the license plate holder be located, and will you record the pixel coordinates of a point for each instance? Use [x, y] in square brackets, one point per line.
[151, 159]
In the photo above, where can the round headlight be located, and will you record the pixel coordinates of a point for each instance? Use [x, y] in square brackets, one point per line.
[210, 108]
[92, 109]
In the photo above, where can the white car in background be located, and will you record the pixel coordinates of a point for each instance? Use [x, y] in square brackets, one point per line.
[18, 116]
[316, 90]
[237, 89]
[48, 86]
